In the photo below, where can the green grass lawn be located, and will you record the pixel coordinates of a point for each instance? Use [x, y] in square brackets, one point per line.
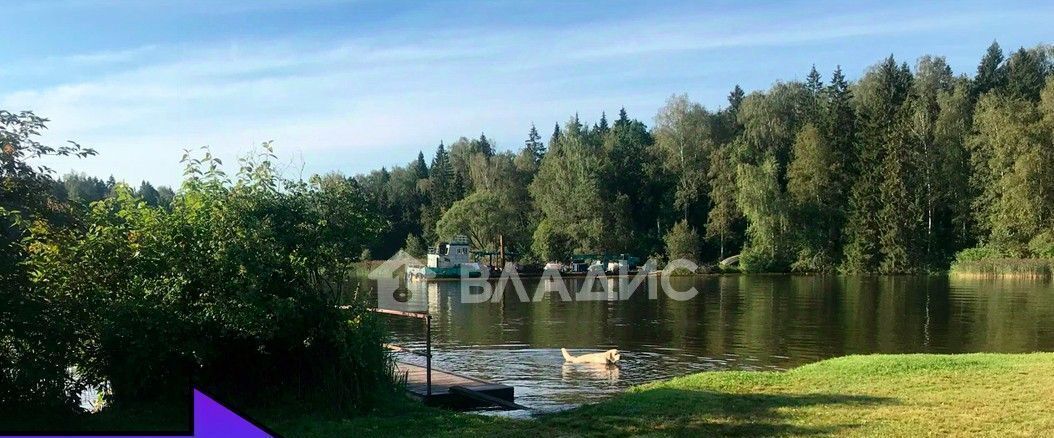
[880, 395]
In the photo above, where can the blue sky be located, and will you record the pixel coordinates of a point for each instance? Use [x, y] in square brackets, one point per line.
[355, 85]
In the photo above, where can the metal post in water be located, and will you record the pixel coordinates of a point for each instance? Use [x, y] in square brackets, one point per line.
[428, 355]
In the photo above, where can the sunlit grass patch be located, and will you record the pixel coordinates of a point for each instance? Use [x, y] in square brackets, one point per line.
[874, 395]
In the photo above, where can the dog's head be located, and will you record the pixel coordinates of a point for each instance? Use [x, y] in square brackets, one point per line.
[613, 356]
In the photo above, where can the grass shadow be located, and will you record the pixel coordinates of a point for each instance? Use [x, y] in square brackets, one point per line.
[680, 412]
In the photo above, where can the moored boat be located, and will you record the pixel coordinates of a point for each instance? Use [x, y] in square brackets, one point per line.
[447, 260]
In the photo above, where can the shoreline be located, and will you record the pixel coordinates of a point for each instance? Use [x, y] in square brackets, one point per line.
[855, 395]
[1038, 269]
[911, 394]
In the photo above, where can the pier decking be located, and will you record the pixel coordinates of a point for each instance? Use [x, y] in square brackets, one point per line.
[443, 381]
[443, 388]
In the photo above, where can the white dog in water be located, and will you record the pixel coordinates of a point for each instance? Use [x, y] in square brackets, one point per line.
[608, 357]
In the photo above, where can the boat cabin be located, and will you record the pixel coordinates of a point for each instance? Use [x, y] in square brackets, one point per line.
[449, 254]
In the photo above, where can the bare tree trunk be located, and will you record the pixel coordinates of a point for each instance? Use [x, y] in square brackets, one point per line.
[722, 239]
[501, 250]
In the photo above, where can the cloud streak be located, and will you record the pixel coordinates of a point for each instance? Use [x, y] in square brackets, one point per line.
[353, 102]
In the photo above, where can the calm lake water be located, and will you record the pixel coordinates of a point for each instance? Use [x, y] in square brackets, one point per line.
[737, 322]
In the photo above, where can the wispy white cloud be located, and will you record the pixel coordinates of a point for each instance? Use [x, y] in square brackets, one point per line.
[107, 56]
[361, 101]
[174, 6]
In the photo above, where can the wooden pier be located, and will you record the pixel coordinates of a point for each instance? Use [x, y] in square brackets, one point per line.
[443, 388]
[449, 389]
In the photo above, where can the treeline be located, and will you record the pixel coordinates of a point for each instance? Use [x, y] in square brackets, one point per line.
[894, 173]
[84, 189]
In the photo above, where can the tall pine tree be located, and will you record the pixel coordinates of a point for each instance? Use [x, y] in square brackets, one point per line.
[991, 74]
[534, 145]
[1026, 72]
[879, 97]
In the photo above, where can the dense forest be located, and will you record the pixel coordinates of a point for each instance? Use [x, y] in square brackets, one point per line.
[896, 172]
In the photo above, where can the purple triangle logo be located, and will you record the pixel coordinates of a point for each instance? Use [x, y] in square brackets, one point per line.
[211, 420]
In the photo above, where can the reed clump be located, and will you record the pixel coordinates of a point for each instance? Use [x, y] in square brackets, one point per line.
[1005, 267]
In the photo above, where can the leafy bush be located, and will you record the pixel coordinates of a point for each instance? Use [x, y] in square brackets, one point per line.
[810, 260]
[550, 243]
[757, 260]
[1042, 245]
[37, 335]
[682, 242]
[414, 246]
[236, 285]
[977, 253]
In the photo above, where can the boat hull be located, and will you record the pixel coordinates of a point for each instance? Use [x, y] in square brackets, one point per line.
[430, 272]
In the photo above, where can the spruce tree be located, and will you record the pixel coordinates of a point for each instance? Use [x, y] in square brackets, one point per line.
[900, 213]
[623, 118]
[482, 146]
[878, 100]
[629, 157]
[574, 127]
[420, 168]
[735, 98]
[1026, 72]
[457, 189]
[814, 82]
[440, 169]
[148, 194]
[534, 145]
[838, 128]
[441, 174]
[554, 140]
[990, 72]
[729, 126]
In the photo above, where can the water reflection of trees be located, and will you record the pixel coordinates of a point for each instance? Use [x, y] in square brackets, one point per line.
[779, 320]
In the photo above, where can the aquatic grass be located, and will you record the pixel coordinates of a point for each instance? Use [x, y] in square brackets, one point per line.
[1004, 267]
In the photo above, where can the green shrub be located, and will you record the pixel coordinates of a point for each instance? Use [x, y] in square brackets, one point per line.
[1042, 245]
[758, 260]
[810, 260]
[236, 286]
[682, 242]
[978, 253]
[414, 246]
[551, 244]
[38, 337]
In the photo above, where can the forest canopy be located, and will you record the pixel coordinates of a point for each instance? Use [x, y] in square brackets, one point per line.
[893, 173]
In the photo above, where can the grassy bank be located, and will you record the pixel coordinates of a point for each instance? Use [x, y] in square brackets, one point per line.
[1004, 267]
[903, 395]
